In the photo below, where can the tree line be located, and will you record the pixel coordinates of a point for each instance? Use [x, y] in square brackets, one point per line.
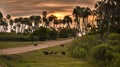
[105, 18]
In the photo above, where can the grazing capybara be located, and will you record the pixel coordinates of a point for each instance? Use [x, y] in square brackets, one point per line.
[45, 52]
[51, 52]
[35, 44]
[63, 53]
[62, 45]
[55, 52]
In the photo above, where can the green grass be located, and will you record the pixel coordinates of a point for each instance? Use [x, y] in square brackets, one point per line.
[11, 44]
[38, 59]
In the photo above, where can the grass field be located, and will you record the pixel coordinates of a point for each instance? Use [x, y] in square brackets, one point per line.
[10, 44]
[38, 59]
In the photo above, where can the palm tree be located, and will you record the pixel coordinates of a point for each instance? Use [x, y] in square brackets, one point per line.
[25, 21]
[1, 15]
[77, 15]
[11, 24]
[35, 21]
[8, 17]
[44, 19]
[29, 26]
[67, 20]
[1, 20]
[85, 14]
[60, 21]
[17, 25]
[93, 16]
[51, 19]
[105, 14]
[20, 20]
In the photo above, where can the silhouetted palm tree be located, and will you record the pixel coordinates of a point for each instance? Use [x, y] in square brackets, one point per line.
[44, 19]
[1, 15]
[85, 12]
[67, 20]
[1, 20]
[51, 19]
[35, 21]
[17, 25]
[77, 15]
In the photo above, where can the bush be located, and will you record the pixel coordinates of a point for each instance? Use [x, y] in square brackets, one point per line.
[102, 54]
[116, 63]
[85, 42]
[53, 34]
[14, 37]
[113, 42]
[64, 33]
[42, 33]
[79, 53]
[113, 36]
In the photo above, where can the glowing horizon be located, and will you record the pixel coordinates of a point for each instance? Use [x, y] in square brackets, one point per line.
[59, 8]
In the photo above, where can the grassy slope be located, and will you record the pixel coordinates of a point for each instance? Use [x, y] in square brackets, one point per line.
[38, 59]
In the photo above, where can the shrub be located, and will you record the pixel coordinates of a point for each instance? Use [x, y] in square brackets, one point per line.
[102, 54]
[14, 37]
[53, 34]
[64, 33]
[113, 42]
[116, 63]
[114, 36]
[42, 33]
[117, 48]
[79, 53]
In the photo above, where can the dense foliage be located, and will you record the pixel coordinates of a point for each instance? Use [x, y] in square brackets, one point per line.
[91, 48]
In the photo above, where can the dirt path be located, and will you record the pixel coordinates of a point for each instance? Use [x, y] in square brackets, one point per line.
[32, 47]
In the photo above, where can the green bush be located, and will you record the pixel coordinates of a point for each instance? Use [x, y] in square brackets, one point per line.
[85, 42]
[102, 54]
[113, 36]
[42, 33]
[116, 63]
[63, 33]
[14, 37]
[79, 53]
[53, 34]
[113, 42]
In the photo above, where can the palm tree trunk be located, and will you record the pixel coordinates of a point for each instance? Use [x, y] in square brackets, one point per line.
[69, 25]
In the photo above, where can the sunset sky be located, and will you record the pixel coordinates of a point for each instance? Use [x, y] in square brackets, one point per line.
[18, 8]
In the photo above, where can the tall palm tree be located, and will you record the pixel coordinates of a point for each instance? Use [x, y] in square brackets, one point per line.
[29, 26]
[8, 17]
[1, 20]
[93, 16]
[44, 19]
[67, 20]
[51, 19]
[85, 14]
[11, 24]
[17, 25]
[1, 15]
[77, 15]
[20, 19]
[25, 21]
[35, 21]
